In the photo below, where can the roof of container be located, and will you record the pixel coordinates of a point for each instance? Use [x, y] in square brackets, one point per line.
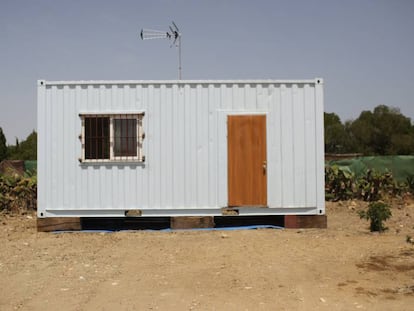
[150, 82]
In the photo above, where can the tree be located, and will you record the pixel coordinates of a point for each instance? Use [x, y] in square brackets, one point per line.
[385, 131]
[25, 150]
[336, 138]
[360, 132]
[3, 146]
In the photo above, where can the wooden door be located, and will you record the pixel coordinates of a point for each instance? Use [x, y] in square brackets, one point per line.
[247, 166]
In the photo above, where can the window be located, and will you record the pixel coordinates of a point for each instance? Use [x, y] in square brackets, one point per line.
[125, 141]
[112, 137]
[96, 138]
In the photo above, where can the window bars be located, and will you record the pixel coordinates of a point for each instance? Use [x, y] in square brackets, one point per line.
[112, 138]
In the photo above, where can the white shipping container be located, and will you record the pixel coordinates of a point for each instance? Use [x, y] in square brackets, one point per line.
[180, 148]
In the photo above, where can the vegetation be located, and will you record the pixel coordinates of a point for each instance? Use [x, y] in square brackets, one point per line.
[18, 193]
[3, 147]
[341, 184]
[385, 131]
[377, 213]
[25, 150]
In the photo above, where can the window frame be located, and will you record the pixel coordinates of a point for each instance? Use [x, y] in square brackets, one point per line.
[138, 158]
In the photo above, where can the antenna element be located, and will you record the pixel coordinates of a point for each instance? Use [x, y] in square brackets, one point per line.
[172, 34]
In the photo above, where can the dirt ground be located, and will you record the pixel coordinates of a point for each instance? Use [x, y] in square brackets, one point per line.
[344, 267]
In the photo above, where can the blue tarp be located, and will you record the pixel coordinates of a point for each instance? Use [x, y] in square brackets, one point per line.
[252, 227]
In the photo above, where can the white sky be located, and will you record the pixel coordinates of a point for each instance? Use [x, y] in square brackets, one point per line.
[363, 49]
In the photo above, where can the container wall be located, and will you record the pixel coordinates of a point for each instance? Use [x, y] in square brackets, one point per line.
[185, 145]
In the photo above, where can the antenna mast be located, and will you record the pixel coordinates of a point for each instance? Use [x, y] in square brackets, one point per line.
[173, 34]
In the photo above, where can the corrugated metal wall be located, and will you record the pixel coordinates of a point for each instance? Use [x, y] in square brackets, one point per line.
[185, 145]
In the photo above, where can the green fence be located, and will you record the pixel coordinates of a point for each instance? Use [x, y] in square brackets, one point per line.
[401, 167]
[30, 166]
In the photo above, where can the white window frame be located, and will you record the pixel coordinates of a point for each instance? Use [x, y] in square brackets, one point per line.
[112, 158]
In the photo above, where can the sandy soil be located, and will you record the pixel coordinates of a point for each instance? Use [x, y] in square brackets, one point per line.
[342, 268]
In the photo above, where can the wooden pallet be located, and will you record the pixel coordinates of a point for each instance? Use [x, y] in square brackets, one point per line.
[59, 224]
[306, 221]
[192, 222]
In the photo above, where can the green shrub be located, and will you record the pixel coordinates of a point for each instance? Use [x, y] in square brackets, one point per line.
[377, 213]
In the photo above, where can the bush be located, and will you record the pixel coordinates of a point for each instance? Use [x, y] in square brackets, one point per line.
[377, 213]
[374, 185]
[341, 184]
[18, 193]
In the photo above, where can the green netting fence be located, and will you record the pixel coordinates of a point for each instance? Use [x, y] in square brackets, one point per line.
[401, 167]
[30, 166]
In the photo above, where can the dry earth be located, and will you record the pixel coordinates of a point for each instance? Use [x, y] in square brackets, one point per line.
[342, 268]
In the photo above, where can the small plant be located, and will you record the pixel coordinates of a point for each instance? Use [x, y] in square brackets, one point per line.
[377, 213]
[409, 240]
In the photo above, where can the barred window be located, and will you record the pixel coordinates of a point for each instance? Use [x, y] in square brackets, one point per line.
[96, 138]
[125, 141]
[112, 137]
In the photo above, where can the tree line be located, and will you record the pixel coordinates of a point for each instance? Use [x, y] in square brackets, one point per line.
[383, 131]
[24, 150]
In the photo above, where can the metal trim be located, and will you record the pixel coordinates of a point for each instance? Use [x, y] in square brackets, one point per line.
[209, 211]
[152, 82]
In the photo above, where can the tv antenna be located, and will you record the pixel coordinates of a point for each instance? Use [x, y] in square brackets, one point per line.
[172, 34]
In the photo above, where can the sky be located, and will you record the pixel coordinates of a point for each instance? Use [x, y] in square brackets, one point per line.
[363, 49]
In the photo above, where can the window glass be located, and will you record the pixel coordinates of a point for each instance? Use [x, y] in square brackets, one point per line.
[125, 137]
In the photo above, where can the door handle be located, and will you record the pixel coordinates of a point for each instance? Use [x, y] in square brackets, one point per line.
[264, 167]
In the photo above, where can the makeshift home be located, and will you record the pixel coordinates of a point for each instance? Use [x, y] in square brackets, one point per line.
[180, 148]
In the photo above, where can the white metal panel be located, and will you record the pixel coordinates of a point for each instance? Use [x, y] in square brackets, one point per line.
[185, 146]
[299, 146]
[274, 150]
[213, 98]
[187, 174]
[319, 137]
[310, 132]
[42, 176]
[286, 146]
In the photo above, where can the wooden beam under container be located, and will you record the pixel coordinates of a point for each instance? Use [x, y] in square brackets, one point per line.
[58, 224]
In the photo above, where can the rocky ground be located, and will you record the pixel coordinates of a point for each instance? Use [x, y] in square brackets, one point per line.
[344, 267]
